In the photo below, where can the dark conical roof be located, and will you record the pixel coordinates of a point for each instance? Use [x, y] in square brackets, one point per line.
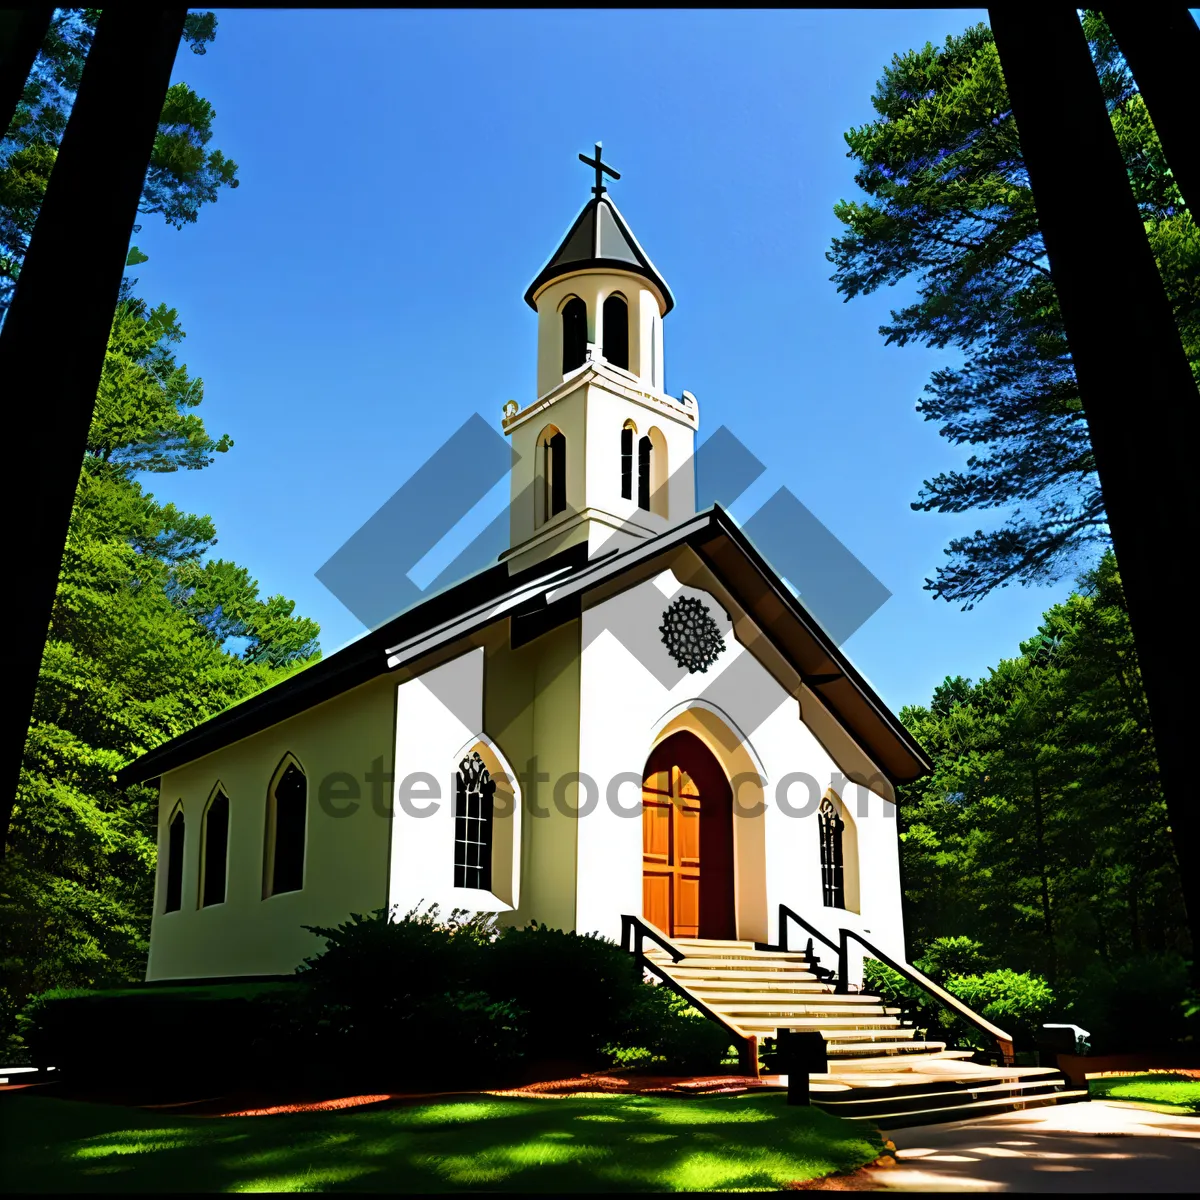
[599, 238]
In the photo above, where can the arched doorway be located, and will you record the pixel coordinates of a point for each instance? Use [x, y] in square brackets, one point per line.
[687, 840]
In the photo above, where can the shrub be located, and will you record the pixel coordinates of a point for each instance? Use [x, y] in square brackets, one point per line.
[1137, 1003]
[1016, 1001]
[171, 1040]
[384, 1004]
[947, 956]
[578, 991]
[665, 1033]
[397, 1002]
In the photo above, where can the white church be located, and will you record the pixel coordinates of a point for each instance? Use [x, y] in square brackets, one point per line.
[629, 715]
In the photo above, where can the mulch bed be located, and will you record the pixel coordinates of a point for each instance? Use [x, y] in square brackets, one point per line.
[263, 1103]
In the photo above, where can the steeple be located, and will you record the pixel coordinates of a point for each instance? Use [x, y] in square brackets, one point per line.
[600, 240]
[602, 454]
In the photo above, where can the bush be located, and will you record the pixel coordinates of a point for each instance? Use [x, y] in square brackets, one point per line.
[947, 956]
[400, 1001]
[665, 1033]
[171, 1040]
[1015, 1001]
[384, 1005]
[1144, 1002]
[578, 991]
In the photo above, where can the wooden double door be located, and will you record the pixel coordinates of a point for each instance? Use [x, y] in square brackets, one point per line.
[687, 841]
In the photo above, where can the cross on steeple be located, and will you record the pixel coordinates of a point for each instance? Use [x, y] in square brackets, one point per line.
[602, 169]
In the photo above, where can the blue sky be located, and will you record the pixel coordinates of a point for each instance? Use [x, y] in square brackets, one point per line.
[404, 175]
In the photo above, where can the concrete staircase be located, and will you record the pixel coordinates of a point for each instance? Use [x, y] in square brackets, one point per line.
[879, 1070]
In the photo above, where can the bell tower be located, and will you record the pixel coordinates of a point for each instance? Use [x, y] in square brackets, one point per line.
[603, 455]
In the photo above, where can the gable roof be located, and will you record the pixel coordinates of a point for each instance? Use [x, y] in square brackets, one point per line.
[599, 239]
[545, 595]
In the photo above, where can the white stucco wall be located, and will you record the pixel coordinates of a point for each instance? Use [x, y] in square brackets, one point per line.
[632, 694]
[439, 718]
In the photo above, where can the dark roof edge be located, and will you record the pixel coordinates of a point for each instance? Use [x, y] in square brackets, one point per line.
[366, 658]
[817, 632]
[347, 668]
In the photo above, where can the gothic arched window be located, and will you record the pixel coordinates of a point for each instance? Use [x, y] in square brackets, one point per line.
[474, 811]
[174, 901]
[287, 817]
[645, 451]
[554, 472]
[627, 436]
[574, 330]
[616, 331]
[831, 825]
[214, 852]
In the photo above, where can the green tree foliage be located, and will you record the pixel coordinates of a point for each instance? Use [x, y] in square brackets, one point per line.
[184, 174]
[1042, 833]
[149, 635]
[950, 210]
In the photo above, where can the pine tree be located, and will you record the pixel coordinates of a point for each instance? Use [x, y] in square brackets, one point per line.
[950, 208]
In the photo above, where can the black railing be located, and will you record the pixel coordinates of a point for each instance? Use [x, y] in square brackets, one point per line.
[814, 963]
[1003, 1040]
[634, 934]
[635, 931]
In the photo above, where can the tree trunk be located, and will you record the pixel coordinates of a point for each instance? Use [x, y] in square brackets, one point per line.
[1124, 343]
[55, 336]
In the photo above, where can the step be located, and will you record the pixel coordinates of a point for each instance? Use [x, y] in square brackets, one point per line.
[964, 1112]
[785, 1016]
[838, 1041]
[773, 983]
[804, 1020]
[730, 955]
[811, 998]
[887, 1064]
[719, 943]
[736, 966]
[792, 1020]
[716, 975]
[863, 1049]
[811, 1004]
[917, 1097]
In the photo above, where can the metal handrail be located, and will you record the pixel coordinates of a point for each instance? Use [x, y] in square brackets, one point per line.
[786, 914]
[639, 930]
[634, 931]
[1003, 1040]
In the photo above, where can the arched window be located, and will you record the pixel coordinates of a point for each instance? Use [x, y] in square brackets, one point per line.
[645, 451]
[627, 436]
[554, 472]
[175, 863]
[474, 812]
[616, 331]
[574, 330]
[833, 884]
[214, 850]
[287, 817]
[658, 471]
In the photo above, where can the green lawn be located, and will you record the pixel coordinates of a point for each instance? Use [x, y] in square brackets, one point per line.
[1176, 1092]
[632, 1143]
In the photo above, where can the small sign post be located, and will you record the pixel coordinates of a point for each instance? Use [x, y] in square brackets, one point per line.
[801, 1053]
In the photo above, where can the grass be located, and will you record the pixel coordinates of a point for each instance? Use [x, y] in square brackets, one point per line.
[604, 1143]
[1175, 1093]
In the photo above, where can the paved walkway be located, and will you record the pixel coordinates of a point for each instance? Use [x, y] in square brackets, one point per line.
[1090, 1147]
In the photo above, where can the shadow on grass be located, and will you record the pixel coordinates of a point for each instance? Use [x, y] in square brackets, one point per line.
[635, 1143]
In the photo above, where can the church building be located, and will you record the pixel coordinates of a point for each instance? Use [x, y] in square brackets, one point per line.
[629, 714]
